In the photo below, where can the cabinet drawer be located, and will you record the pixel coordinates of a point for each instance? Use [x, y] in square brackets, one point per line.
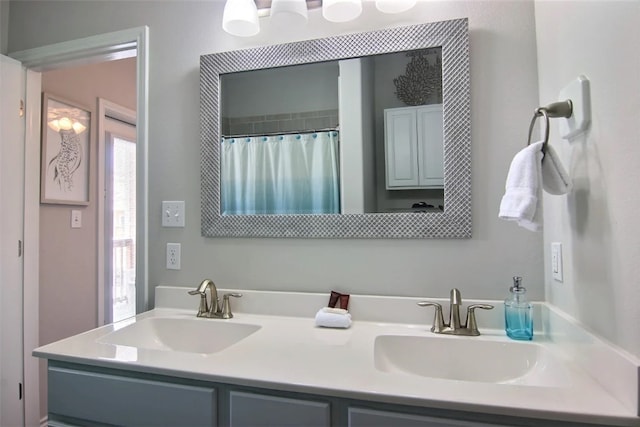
[125, 401]
[256, 410]
[361, 417]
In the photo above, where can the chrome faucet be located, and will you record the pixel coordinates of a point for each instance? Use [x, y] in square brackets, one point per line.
[454, 327]
[212, 310]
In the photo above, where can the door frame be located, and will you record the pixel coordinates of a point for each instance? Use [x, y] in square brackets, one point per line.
[99, 48]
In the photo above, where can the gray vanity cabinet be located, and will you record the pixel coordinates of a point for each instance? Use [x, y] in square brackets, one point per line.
[362, 417]
[87, 395]
[92, 397]
[257, 410]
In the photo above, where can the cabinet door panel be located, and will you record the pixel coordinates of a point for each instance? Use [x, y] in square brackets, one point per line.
[127, 401]
[401, 148]
[430, 146]
[256, 410]
[360, 417]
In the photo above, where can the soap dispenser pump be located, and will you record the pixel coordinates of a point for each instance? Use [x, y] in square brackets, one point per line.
[517, 312]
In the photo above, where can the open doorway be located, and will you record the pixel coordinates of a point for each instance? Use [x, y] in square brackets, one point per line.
[73, 280]
[89, 50]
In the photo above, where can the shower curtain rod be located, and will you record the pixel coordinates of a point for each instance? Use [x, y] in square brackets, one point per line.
[290, 132]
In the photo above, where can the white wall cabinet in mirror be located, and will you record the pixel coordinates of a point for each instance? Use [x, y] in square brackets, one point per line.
[413, 147]
[364, 74]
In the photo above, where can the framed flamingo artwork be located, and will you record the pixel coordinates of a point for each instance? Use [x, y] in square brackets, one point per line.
[66, 137]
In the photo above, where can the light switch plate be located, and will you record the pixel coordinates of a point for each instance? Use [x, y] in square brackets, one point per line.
[556, 261]
[173, 214]
[76, 219]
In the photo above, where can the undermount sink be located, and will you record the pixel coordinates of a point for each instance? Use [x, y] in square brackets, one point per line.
[185, 335]
[469, 359]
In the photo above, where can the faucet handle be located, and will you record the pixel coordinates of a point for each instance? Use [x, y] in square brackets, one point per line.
[203, 309]
[472, 326]
[226, 306]
[438, 318]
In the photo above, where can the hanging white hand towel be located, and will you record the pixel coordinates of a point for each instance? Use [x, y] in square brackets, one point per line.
[529, 173]
[522, 197]
[555, 179]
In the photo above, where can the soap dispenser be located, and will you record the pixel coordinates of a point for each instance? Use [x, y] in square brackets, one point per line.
[517, 313]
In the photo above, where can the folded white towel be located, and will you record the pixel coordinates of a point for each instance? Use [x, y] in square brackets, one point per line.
[333, 318]
[528, 174]
[522, 195]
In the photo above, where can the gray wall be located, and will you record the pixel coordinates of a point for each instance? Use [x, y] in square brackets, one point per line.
[597, 223]
[286, 90]
[504, 91]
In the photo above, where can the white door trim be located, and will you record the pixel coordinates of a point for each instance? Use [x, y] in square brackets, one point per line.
[105, 109]
[99, 48]
[115, 45]
[31, 276]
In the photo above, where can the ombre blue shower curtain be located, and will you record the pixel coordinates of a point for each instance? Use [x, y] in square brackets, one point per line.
[280, 174]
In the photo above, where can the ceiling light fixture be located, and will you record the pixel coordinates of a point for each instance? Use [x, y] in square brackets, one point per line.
[66, 124]
[289, 9]
[394, 6]
[240, 18]
[341, 10]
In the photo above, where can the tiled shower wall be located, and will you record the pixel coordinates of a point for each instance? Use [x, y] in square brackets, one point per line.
[283, 122]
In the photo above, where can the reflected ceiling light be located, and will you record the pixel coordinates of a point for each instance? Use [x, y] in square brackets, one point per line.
[66, 123]
[341, 10]
[395, 6]
[240, 18]
[289, 9]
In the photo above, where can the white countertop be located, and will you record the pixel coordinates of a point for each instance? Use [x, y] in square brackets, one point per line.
[291, 353]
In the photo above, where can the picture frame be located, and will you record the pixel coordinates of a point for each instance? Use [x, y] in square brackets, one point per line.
[65, 157]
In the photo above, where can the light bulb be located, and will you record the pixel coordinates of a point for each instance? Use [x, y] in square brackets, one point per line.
[240, 18]
[395, 6]
[341, 10]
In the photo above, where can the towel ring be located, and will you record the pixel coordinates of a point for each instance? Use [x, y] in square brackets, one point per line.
[557, 109]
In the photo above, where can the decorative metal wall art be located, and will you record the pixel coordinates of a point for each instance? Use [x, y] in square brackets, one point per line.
[422, 82]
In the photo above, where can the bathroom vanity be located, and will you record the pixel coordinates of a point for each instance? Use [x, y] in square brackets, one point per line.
[167, 367]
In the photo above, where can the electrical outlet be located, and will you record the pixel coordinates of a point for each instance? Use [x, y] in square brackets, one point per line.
[173, 256]
[173, 214]
[556, 261]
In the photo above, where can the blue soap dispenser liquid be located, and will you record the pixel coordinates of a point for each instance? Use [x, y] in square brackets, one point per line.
[517, 312]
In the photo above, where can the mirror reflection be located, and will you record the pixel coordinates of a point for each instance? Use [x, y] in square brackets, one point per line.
[351, 136]
[378, 184]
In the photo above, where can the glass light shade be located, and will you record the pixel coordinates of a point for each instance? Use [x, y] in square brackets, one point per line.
[289, 9]
[78, 127]
[55, 125]
[240, 18]
[395, 6]
[341, 10]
